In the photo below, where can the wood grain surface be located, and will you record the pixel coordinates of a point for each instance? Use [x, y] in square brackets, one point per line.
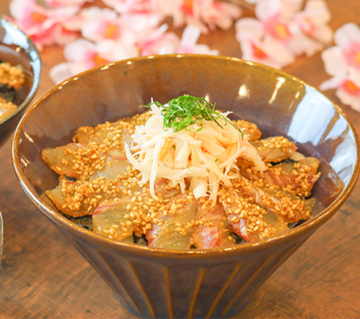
[43, 276]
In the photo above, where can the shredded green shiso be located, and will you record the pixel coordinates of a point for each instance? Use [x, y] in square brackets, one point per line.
[187, 110]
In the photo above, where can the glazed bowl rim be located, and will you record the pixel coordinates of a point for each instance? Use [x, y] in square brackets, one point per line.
[36, 72]
[62, 221]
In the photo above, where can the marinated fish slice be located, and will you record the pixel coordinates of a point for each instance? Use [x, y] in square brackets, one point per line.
[80, 198]
[107, 134]
[69, 206]
[290, 207]
[62, 159]
[138, 119]
[113, 220]
[6, 108]
[211, 227]
[121, 217]
[116, 164]
[84, 161]
[249, 220]
[248, 128]
[174, 224]
[297, 178]
[12, 76]
[274, 149]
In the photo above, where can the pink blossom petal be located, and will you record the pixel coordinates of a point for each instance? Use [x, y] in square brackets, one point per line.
[166, 44]
[278, 28]
[141, 25]
[66, 3]
[60, 72]
[220, 14]
[255, 50]
[267, 8]
[231, 10]
[173, 9]
[249, 26]
[78, 50]
[354, 76]
[132, 6]
[346, 35]
[285, 8]
[300, 44]
[313, 19]
[278, 52]
[90, 14]
[159, 42]
[334, 62]
[332, 83]
[318, 11]
[349, 94]
[190, 36]
[352, 55]
[115, 51]
[323, 33]
[188, 42]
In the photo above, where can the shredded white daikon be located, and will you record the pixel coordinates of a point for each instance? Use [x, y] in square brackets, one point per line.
[202, 158]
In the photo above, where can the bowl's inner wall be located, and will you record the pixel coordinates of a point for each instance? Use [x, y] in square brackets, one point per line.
[277, 103]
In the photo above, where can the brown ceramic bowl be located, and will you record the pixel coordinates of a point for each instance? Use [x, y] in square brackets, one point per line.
[18, 49]
[188, 283]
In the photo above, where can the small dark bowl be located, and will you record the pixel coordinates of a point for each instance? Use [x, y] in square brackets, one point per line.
[189, 283]
[18, 49]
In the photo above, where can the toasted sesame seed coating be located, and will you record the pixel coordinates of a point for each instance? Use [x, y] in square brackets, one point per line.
[12, 76]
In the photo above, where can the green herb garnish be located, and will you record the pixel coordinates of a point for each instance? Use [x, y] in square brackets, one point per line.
[187, 110]
[174, 147]
[216, 160]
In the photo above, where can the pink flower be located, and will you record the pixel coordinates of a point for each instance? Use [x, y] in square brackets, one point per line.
[132, 6]
[141, 25]
[101, 24]
[82, 55]
[259, 47]
[44, 26]
[342, 62]
[313, 21]
[188, 42]
[255, 47]
[277, 34]
[346, 90]
[220, 14]
[205, 14]
[286, 8]
[66, 3]
[98, 24]
[159, 42]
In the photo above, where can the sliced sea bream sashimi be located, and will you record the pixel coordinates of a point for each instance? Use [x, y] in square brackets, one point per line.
[211, 226]
[290, 207]
[80, 198]
[295, 177]
[274, 149]
[113, 220]
[119, 218]
[249, 129]
[97, 152]
[116, 133]
[249, 220]
[173, 226]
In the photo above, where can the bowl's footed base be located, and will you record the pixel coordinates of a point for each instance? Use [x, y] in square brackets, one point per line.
[170, 288]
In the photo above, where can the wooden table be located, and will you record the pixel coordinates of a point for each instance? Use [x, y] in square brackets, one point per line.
[43, 276]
